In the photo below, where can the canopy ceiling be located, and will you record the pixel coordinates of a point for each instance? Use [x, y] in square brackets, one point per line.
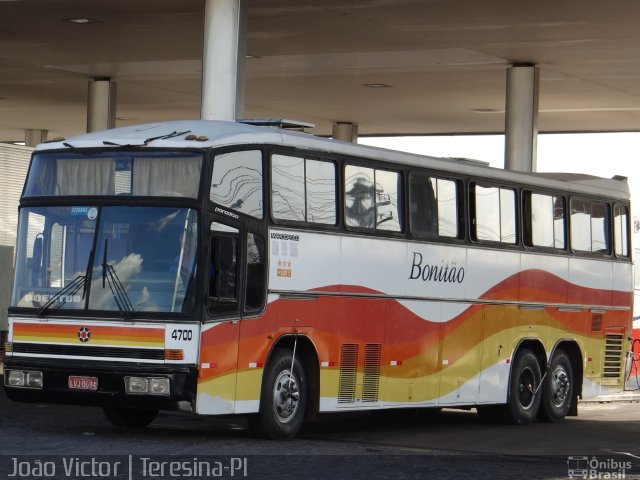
[442, 62]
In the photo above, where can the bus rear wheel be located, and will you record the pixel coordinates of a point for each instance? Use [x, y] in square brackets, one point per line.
[130, 417]
[524, 397]
[283, 400]
[557, 389]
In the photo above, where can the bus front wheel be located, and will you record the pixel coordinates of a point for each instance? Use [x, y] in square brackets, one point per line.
[524, 395]
[130, 417]
[283, 400]
[557, 389]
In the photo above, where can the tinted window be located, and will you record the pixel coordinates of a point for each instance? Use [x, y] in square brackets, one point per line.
[223, 274]
[434, 206]
[237, 182]
[256, 287]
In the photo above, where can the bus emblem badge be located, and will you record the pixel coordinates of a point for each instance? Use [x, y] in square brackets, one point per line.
[84, 334]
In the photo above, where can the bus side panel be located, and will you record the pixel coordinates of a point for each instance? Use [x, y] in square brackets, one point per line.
[493, 276]
[412, 347]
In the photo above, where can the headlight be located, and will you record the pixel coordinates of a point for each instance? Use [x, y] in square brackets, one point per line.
[159, 386]
[34, 379]
[23, 379]
[136, 385]
[147, 385]
[15, 378]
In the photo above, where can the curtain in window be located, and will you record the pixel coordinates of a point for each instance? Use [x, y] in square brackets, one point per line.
[85, 176]
[171, 177]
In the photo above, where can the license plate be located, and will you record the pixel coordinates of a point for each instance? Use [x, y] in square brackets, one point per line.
[83, 383]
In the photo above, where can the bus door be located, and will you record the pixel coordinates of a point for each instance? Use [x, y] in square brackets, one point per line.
[217, 368]
[236, 288]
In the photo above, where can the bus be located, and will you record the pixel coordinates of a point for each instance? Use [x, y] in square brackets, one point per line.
[224, 268]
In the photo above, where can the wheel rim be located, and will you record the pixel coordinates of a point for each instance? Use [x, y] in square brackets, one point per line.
[560, 386]
[285, 397]
[526, 387]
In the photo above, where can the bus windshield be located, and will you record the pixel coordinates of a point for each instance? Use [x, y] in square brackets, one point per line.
[114, 258]
[155, 173]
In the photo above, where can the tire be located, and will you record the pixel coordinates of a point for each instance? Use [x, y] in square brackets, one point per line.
[130, 417]
[283, 400]
[557, 389]
[524, 402]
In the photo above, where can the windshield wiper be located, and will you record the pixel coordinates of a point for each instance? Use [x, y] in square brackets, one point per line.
[74, 149]
[81, 281]
[166, 136]
[63, 295]
[110, 277]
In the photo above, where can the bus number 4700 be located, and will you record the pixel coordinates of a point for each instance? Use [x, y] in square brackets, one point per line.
[185, 335]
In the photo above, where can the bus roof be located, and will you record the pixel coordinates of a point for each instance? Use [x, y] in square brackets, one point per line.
[217, 133]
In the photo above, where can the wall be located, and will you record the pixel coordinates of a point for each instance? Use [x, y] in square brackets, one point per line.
[14, 163]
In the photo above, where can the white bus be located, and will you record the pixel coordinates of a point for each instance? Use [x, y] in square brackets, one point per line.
[226, 268]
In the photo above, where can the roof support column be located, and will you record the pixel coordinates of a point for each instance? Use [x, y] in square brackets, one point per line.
[35, 137]
[101, 105]
[521, 118]
[345, 131]
[223, 60]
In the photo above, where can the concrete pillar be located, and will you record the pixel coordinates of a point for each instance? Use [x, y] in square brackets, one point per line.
[35, 137]
[345, 131]
[223, 60]
[521, 118]
[101, 105]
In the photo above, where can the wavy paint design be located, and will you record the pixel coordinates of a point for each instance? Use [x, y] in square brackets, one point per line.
[423, 359]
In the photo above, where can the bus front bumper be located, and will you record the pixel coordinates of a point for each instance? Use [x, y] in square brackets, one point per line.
[73, 383]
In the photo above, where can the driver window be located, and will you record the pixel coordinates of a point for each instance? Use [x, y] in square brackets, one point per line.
[223, 270]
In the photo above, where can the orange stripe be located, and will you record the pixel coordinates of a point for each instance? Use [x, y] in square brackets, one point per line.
[104, 334]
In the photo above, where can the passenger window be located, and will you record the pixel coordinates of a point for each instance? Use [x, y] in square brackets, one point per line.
[372, 198]
[287, 188]
[433, 206]
[621, 230]
[321, 192]
[256, 283]
[494, 216]
[303, 190]
[544, 221]
[237, 182]
[589, 226]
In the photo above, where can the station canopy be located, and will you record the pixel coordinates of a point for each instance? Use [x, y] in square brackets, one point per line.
[390, 66]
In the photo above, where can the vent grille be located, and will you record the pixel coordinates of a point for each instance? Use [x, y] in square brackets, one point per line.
[348, 373]
[612, 367]
[371, 379]
[89, 351]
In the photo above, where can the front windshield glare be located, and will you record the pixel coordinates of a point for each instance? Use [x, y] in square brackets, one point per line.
[125, 259]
